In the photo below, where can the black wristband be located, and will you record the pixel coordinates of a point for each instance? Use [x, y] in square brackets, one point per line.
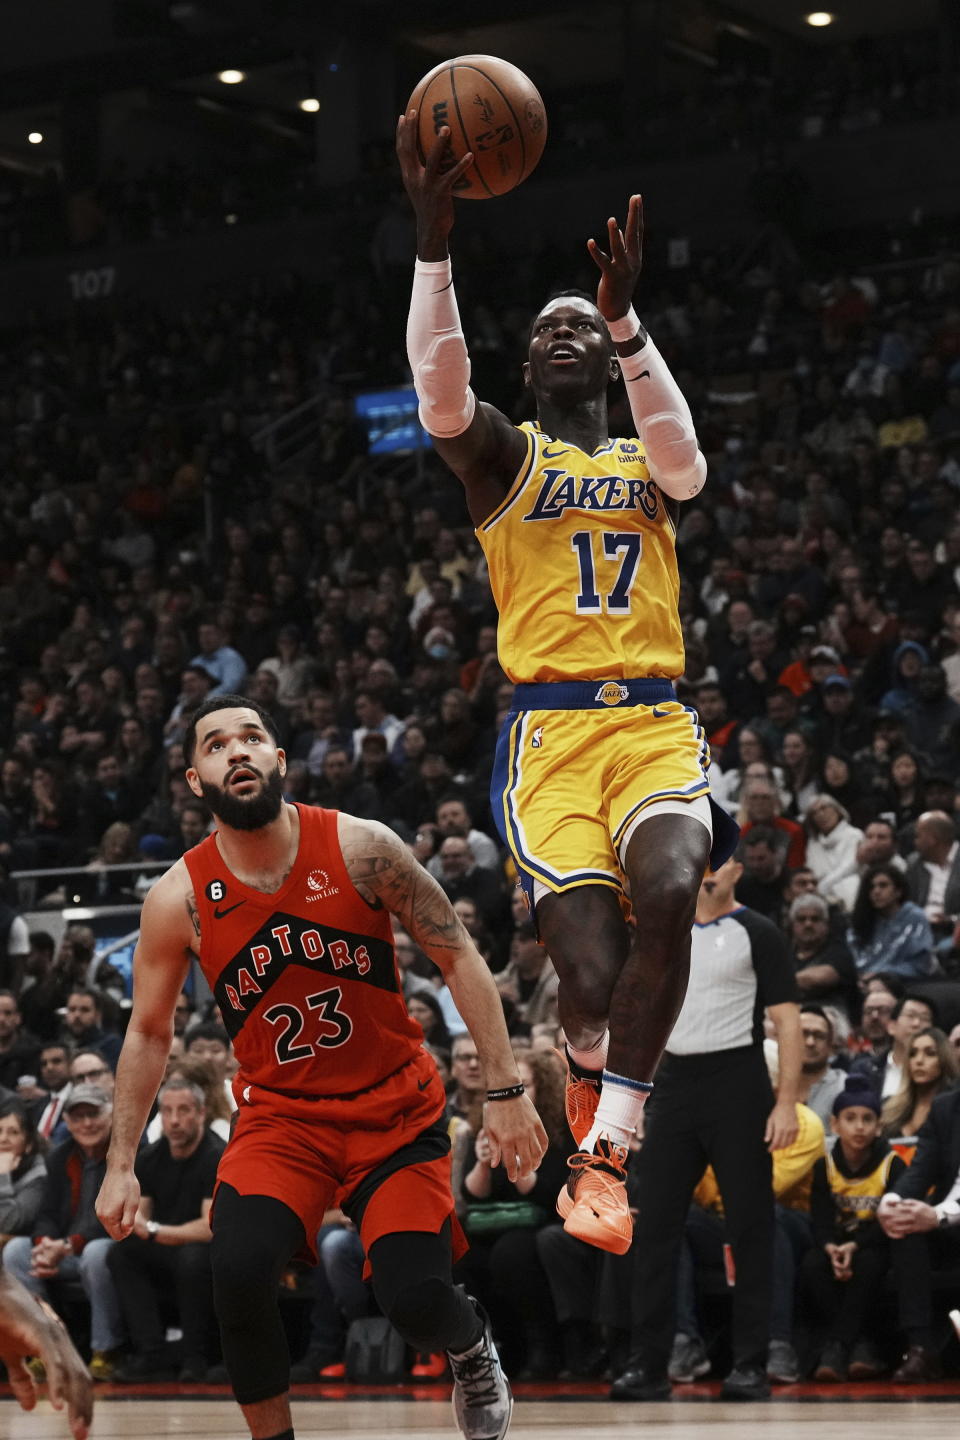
[509, 1092]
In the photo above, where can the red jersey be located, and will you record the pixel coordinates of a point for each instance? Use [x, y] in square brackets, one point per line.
[306, 978]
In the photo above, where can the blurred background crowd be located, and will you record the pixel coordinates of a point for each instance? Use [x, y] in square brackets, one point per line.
[194, 499]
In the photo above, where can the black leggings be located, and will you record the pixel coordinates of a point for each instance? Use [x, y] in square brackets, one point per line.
[254, 1238]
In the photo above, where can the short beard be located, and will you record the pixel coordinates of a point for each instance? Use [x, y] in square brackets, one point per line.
[246, 814]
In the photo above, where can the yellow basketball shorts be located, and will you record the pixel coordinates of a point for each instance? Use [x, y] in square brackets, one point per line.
[571, 776]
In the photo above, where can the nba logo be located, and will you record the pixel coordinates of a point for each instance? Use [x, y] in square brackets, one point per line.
[537, 740]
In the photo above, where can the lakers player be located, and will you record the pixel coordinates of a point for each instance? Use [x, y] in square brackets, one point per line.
[600, 782]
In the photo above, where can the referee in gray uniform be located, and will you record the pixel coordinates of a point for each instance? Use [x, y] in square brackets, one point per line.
[713, 1105]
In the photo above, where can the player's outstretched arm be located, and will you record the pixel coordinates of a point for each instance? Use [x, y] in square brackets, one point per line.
[478, 443]
[160, 965]
[29, 1327]
[657, 404]
[383, 869]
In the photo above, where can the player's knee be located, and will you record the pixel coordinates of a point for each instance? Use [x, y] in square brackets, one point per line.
[420, 1312]
[244, 1277]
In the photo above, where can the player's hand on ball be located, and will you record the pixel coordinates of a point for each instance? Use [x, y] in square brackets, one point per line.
[430, 186]
[620, 269]
[515, 1135]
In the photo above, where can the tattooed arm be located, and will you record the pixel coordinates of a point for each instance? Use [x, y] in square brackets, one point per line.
[383, 869]
[169, 927]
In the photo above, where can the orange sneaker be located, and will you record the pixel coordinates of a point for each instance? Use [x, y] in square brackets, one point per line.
[580, 1100]
[593, 1203]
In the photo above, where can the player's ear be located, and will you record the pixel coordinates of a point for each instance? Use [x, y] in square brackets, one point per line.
[193, 780]
[282, 761]
[525, 368]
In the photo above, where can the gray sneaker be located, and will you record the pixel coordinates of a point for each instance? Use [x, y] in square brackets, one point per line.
[783, 1367]
[688, 1359]
[482, 1402]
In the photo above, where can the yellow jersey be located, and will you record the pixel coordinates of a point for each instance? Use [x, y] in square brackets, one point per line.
[583, 566]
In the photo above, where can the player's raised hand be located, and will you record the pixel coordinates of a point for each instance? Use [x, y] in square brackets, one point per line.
[430, 186]
[515, 1135]
[620, 268]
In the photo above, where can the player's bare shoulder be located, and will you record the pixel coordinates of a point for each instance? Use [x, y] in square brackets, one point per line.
[170, 915]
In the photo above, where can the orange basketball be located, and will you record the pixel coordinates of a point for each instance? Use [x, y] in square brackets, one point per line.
[493, 110]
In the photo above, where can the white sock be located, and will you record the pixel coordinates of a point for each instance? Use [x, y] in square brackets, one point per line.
[593, 1059]
[618, 1114]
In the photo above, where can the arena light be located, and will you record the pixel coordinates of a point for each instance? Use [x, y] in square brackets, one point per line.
[819, 18]
[231, 77]
[311, 105]
[35, 137]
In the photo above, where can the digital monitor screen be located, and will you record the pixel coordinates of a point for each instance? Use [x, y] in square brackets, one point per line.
[390, 419]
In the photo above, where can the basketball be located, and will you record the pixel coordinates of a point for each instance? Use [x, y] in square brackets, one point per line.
[493, 110]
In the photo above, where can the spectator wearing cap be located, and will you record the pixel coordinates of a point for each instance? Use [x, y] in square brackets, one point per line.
[226, 665]
[921, 1210]
[170, 1245]
[843, 1273]
[293, 668]
[933, 873]
[841, 724]
[68, 1241]
[831, 843]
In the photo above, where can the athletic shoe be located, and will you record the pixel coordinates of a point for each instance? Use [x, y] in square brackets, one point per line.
[832, 1365]
[865, 1362]
[482, 1402]
[917, 1367]
[688, 1359]
[783, 1367]
[638, 1384]
[429, 1367]
[593, 1203]
[580, 1099]
[746, 1382]
[103, 1364]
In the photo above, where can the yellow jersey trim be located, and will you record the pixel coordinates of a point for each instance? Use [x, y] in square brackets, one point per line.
[516, 489]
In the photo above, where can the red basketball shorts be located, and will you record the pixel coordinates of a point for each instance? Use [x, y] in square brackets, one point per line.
[379, 1153]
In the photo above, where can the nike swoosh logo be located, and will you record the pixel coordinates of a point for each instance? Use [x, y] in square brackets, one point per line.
[219, 914]
[644, 375]
[661, 714]
[422, 1084]
[555, 454]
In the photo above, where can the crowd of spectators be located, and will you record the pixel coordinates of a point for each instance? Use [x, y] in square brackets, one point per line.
[150, 558]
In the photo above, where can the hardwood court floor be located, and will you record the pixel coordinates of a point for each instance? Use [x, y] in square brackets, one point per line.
[834, 1415]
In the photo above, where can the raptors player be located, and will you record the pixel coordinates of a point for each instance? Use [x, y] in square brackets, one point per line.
[287, 908]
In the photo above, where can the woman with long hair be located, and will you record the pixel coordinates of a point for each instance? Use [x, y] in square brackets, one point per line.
[425, 1009]
[906, 782]
[23, 1170]
[931, 1068]
[888, 932]
[799, 760]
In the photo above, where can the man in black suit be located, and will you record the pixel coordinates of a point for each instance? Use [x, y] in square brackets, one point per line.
[933, 874]
[928, 1232]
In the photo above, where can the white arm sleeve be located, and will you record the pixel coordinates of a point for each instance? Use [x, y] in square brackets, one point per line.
[661, 415]
[437, 352]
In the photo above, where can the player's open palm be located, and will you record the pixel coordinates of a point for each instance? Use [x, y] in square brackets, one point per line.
[620, 268]
[430, 185]
[515, 1135]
